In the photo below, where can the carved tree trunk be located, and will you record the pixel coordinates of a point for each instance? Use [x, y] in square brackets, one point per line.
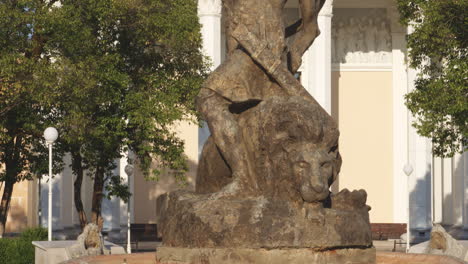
[79, 172]
[98, 194]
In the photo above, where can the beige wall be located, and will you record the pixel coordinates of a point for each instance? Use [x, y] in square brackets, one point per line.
[146, 192]
[23, 207]
[363, 107]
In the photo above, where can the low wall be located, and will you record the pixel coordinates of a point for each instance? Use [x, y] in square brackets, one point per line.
[137, 258]
[400, 258]
[382, 258]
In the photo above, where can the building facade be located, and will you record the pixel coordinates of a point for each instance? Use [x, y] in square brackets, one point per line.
[357, 70]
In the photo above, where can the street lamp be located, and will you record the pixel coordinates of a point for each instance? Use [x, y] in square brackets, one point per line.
[50, 135]
[129, 172]
[408, 169]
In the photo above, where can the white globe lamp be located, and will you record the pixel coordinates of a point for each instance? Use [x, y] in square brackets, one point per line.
[50, 135]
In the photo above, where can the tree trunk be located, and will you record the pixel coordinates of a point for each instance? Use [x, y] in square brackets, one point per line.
[78, 170]
[98, 194]
[5, 204]
[12, 154]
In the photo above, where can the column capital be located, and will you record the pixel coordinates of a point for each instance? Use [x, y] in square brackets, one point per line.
[209, 7]
[327, 9]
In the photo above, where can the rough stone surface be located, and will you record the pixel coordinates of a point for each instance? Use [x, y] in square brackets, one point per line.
[260, 65]
[295, 162]
[192, 220]
[89, 243]
[442, 243]
[292, 148]
[263, 256]
[58, 251]
[263, 182]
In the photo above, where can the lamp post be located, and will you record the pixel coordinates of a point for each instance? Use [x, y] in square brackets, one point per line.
[50, 135]
[408, 169]
[129, 172]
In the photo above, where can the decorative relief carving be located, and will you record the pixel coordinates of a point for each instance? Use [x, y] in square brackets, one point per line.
[361, 36]
[209, 7]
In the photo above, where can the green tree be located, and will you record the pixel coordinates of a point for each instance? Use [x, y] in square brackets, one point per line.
[111, 75]
[128, 71]
[24, 81]
[438, 50]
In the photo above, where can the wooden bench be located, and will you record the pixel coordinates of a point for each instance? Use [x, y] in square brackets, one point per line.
[384, 231]
[143, 233]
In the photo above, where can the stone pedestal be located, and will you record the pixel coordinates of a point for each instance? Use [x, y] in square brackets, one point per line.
[193, 220]
[52, 252]
[267, 256]
[198, 228]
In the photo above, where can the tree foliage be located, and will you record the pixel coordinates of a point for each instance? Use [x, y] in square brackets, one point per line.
[438, 50]
[115, 75]
[25, 77]
[128, 71]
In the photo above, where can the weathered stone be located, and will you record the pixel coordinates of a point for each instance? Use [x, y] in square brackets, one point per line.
[263, 256]
[292, 207]
[192, 220]
[259, 66]
[213, 172]
[292, 147]
[58, 251]
[263, 182]
[442, 243]
[89, 243]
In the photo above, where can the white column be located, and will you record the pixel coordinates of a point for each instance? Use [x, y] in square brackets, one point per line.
[87, 199]
[437, 191]
[400, 125]
[68, 210]
[317, 75]
[447, 191]
[420, 182]
[106, 211]
[111, 213]
[56, 202]
[459, 190]
[209, 12]
[75, 217]
[111, 208]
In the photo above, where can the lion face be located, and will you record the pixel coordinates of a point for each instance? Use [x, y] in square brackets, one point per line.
[313, 171]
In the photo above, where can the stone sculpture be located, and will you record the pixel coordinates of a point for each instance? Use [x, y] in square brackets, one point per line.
[89, 243]
[263, 182]
[442, 243]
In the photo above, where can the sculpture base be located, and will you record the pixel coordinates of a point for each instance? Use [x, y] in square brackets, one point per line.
[190, 220]
[176, 255]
